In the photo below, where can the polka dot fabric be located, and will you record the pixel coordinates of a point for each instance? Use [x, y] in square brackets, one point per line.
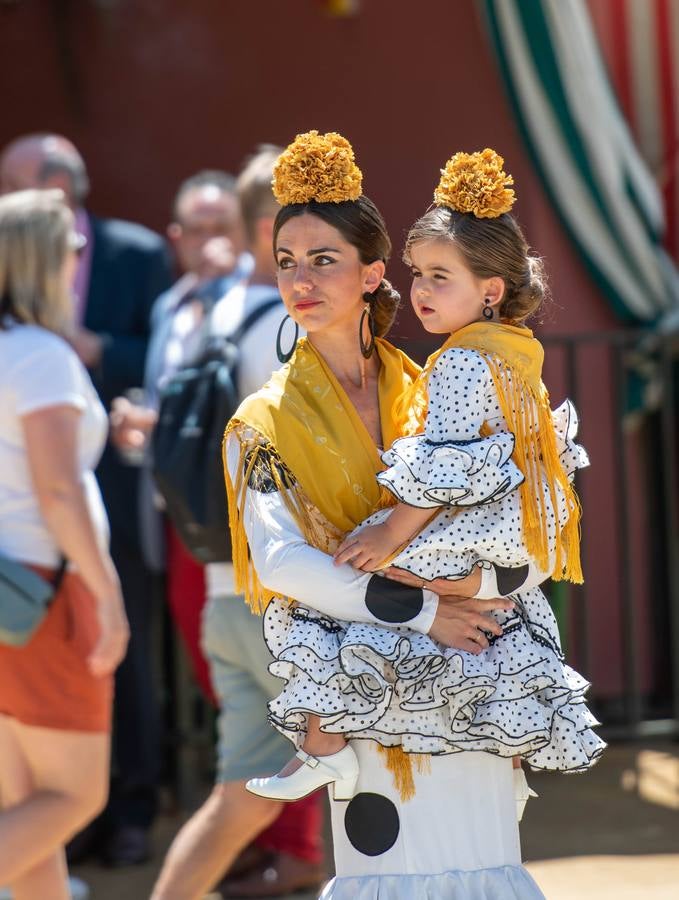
[397, 686]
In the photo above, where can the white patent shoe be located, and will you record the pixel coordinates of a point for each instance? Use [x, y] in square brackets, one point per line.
[522, 793]
[339, 769]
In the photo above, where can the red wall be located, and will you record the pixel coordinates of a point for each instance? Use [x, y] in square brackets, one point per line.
[152, 90]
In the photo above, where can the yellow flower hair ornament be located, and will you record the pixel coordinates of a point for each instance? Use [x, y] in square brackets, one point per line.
[317, 167]
[476, 183]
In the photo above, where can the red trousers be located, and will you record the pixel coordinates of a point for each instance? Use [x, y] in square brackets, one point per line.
[186, 598]
[297, 830]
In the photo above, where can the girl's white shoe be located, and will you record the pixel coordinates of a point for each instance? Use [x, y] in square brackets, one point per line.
[521, 792]
[339, 769]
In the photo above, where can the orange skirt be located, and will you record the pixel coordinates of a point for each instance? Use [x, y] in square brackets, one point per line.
[47, 682]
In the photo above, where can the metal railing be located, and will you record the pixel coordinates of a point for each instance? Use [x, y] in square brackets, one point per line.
[642, 370]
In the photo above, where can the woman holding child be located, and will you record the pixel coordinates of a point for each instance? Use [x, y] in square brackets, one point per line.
[457, 686]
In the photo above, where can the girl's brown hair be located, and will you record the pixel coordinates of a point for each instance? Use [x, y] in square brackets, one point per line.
[490, 247]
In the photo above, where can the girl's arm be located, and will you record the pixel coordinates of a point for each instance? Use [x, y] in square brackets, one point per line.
[50, 435]
[373, 545]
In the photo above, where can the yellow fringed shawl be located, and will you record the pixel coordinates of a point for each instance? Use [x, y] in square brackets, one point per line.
[514, 358]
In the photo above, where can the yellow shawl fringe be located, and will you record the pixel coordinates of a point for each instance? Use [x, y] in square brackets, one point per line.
[400, 765]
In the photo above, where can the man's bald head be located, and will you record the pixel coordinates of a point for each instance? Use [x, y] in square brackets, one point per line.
[44, 161]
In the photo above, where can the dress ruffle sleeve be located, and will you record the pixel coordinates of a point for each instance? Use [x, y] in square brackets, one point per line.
[573, 456]
[450, 464]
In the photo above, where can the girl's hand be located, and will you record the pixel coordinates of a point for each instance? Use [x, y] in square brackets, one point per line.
[444, 587]
[114, 634]
[367, 549]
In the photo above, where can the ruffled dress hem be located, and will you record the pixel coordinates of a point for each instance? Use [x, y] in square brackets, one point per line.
[502, 883]
[400, 688]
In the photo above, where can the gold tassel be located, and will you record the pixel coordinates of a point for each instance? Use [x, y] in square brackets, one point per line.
[400, 764]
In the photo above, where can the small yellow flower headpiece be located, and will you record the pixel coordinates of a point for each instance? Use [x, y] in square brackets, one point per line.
[317, 167]
[476, 183]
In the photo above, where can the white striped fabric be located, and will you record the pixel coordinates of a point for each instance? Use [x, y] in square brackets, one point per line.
[640, 40]
[583, 148]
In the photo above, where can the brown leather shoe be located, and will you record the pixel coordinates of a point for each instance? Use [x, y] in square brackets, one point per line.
[283, 874]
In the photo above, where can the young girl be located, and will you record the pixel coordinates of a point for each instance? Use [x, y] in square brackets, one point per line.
[482, 480]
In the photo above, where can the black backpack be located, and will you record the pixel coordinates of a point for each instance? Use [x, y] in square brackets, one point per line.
[186, 445]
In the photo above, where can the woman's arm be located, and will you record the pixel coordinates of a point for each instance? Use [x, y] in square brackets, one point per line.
[50, 435]
[285, 563]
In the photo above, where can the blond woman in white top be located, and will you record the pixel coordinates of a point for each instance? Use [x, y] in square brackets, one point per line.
[56, 691]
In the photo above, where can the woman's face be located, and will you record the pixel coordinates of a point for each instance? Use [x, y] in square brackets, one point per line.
[320, 275]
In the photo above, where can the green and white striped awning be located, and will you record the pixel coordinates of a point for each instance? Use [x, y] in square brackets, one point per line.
[578, 137]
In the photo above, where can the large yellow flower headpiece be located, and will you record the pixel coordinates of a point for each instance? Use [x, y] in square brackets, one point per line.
[317, 167]
[476, 183]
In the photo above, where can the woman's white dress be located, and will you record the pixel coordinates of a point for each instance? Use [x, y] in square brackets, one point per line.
[458, 837]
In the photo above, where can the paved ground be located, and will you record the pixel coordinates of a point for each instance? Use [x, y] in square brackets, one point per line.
[609, 835]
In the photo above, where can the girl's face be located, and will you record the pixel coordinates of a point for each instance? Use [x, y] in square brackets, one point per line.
[445, 294]
[320, 275]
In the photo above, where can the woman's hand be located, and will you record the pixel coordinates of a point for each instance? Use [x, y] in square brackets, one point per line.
[460, 622]
[114, 633]
[367, 549]
[444, 587]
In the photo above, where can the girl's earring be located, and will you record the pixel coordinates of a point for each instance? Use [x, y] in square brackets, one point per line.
[488, 309]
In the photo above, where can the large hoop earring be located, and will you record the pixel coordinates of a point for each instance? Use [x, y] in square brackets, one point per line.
[367, 349]
[487, 309]
[286, 357]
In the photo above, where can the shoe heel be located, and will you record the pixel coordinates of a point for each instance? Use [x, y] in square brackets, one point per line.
[344, 789]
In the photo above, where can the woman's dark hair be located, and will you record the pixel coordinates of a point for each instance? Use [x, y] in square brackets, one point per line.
[361, 225]
[490, 247]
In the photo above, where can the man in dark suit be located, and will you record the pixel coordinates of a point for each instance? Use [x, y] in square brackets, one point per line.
[122, 271]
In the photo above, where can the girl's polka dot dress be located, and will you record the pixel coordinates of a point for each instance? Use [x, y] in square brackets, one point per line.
[396, 686]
